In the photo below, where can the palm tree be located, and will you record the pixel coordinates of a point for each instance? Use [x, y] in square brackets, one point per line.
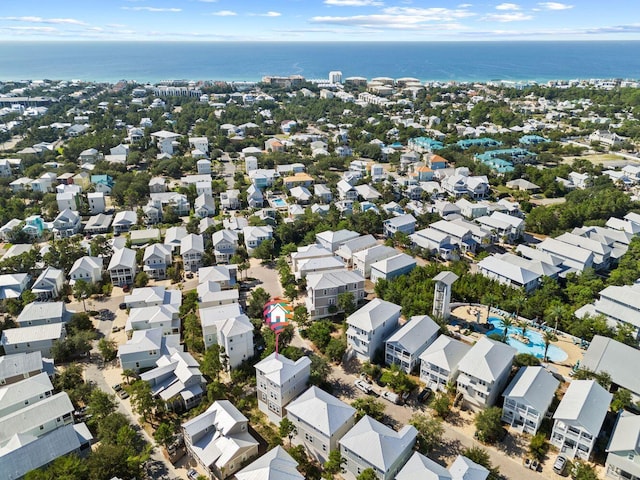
[505, 323]
[523, 325]
[548, 337]
[490, 299]
[519, 301]
[555, 311]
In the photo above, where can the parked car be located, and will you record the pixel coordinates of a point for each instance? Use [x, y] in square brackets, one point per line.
[424, 395]
[391, 397]
[115, 329]
[189, 275]
[123, 394]
[126, 288]
[122, 306]
[192, 474]
[560, 464]
[362, 385]
[117, 387]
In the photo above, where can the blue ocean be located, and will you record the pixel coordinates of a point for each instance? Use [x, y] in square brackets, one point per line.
[249, 61]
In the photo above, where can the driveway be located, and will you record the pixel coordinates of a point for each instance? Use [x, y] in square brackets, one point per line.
[267, 275]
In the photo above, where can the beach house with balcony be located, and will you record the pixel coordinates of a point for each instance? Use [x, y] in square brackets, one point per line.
[370, 326]
[405, 346]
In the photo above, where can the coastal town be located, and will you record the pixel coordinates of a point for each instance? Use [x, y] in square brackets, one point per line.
[298, 278]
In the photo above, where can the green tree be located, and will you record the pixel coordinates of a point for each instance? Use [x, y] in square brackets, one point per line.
[538, 446]
[301, 316]
[82, 290]
[319, 332]
[334, 463]
[367, 474]
[621, 399]
[319, 370]
[506, 323]
[583, 471]
[108, 349]
[259, 297]
[555, 313]
[211, 364]
[441, 404]
[287, 429]
[488, 424]
[430, 431]
[368, 406]
[265, 250]
[141, 280]
[526, 360]
[335, 349]
[346, 303]
[164, 434]
[142, 400]
[101, 405]
[548, 336]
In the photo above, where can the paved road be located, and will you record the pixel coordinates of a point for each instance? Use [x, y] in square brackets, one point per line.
[267, 275]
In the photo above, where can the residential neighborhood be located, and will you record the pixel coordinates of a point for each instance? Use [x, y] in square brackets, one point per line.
[454, 267]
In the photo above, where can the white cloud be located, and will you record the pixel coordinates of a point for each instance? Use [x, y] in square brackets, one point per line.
[508, 6]
[392, 22]
[208, 1]
[224, 13]
[32, 29]
[152, 9]
[267, 14]
[507, 17]
[57, 21]
[353, 3]
[555, 6]
[465, 5]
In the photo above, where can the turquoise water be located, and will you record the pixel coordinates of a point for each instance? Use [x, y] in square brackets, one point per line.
[536, 342]
[237, 61]
[279, 202]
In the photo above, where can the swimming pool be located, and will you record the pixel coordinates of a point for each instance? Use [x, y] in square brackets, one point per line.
[536, 342]
[278, 202]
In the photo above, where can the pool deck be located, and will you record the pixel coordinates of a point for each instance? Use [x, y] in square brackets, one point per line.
[565, 342]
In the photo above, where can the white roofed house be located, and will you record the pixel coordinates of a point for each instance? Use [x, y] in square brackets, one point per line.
[192, 250]
[228, 327]
[333, 240]
[145, 347]
[13, 284]
[423, 468]
[122, 266]
[507, 273]
[38, 338]
[230, 200]
[370, 326]
[439, 362]
[204, 206]
[484, 371]
[223, 275]
[153, 296]
[49, 283]
[66, 224]
[157, 316]
[321, 420]
[364, 259]
[392, 267]
[254, 236]
[225, 244]
[573, 257]
[42, 313]
[322, 192]
[346, 191]
[157, 185]
[601, 251]
[16, 367]
[579, 417]
[463, 468]
[405, 346]
[528, 398]
[278, 381]
[370, 444]
[276, 464]
[618, 360]
[347, 250]
[255, 199]
[211, 294]
[324, 288]
[623, 451]
[165, 141]
[306, 253]
[402, 223]
[176, 380]
[157, 258]
[124, 220]
[219, 439]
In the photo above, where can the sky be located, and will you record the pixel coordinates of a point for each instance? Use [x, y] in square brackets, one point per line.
[317, 20]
